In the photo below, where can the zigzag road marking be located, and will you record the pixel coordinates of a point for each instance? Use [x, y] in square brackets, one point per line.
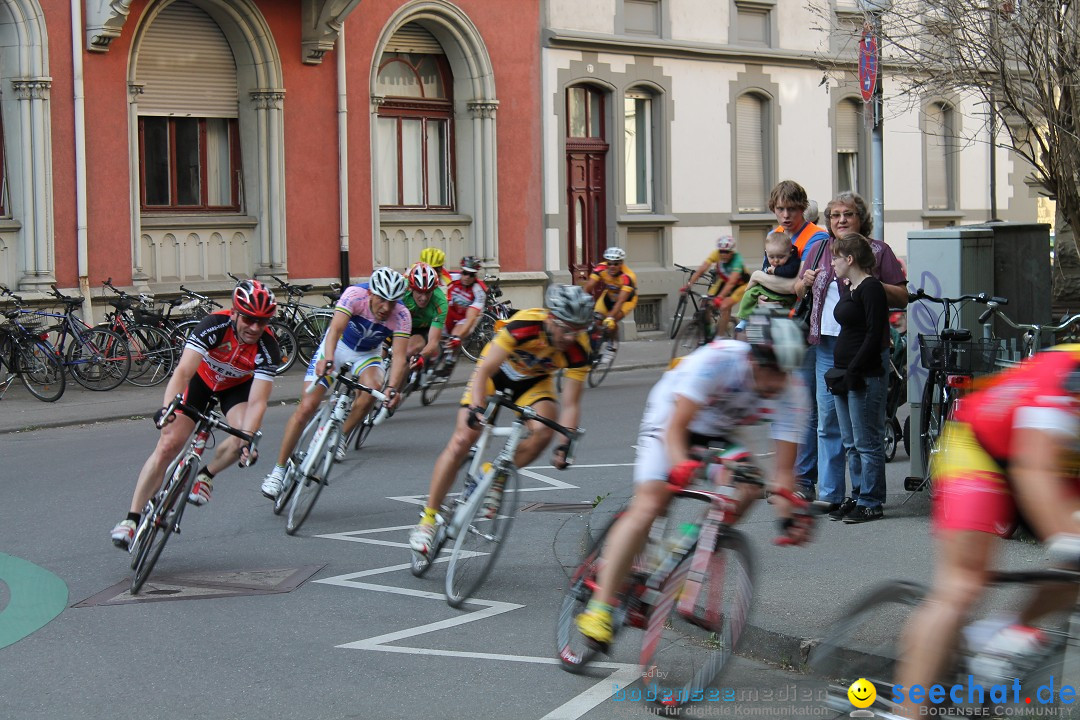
[624, 673]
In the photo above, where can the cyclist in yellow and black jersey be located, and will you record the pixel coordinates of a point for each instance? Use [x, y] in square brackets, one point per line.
[522, 358]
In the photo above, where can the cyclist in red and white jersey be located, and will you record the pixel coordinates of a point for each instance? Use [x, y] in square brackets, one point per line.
[1009, 455]
[230, 354]
[466, 297]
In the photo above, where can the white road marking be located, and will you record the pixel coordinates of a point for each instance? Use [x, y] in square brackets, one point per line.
[624, 673]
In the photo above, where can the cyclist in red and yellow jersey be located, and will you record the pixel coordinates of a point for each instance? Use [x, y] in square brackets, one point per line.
[616, 285]
[230, 354]
[1008, 454]
[521, 358]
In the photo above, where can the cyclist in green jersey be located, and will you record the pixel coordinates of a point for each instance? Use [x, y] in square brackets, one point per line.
[427, 303]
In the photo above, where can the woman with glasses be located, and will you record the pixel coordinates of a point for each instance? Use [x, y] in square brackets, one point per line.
[846, 213]
[232, 355]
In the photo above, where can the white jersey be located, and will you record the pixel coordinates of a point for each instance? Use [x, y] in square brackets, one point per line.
[718, 376]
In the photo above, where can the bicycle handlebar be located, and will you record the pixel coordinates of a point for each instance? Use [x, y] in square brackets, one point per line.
[498, 399]
[177, 403]
[1026, 327]
[981, 298]
[201, 297]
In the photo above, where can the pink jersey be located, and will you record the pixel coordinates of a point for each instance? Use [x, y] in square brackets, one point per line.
[364, 332]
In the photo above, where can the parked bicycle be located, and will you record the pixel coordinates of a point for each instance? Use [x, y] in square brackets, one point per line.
[162, 515]
[864, 643]
[153, 354]
[1031, 338]
[27, 354]
[951, 358]
[691, 296]
[690, 589]
[477, 540]
[308, 468]
[307, 322]
[487, 324]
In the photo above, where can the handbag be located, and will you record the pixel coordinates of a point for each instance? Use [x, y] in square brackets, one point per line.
[804, 306]
[836, 381]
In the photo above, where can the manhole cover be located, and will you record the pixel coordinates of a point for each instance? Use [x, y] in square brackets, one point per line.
[203, 585]
[557, 507]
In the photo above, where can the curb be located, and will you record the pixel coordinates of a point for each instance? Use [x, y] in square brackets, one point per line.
[289, 400]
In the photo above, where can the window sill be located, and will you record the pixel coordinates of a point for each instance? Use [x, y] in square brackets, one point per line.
[197, 221]
[423, 217]
[942, 214]
[647, 218]
[9, 225]
[754, 218]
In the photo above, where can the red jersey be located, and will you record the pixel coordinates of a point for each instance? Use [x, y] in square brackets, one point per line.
[1042, 393]
[227, 362]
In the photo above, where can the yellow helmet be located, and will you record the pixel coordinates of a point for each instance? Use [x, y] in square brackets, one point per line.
[433, 257]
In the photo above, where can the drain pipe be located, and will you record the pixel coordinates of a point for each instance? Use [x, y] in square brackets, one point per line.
[80, 159]
[343, 159]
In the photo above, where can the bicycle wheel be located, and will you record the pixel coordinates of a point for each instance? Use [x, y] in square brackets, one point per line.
[152, 356]
[936, 400]
[309, 333]
[99, 359]
[161, 522]
[287, 342]
[479, 540]
[292, 467]
[308, 487]
[683, 655]
[608, 350]
[863, 643]
[680, 310]
[480, 337]
[574, 650]
[892, 438]
[430, 393]
[40, 371]
[690, 338]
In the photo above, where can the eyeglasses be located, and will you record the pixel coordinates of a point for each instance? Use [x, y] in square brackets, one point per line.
[468, 273]
[847, 215]
[261, 322]
[567, 327]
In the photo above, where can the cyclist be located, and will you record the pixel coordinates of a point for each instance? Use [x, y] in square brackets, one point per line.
[715, 389]
[365, 316]
[467, 297]
[522, 358]
[1009, 453]
[426, 303]
[230, 354]
[731, 278]
[436, 258]
[616, 287]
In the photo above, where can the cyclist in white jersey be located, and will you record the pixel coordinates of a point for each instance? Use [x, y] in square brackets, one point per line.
[716, 389]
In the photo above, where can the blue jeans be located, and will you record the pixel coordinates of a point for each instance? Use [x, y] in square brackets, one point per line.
[861, 414]
[832, 483]
[806, 459]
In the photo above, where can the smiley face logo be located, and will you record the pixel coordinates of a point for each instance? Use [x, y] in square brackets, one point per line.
[862, 693]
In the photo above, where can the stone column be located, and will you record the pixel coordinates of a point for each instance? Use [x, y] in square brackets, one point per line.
[36, 150]
[485, 162]
[271, 174]
[139, 278]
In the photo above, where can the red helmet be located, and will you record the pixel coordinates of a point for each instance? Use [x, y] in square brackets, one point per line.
[254, 299]
[423, 278]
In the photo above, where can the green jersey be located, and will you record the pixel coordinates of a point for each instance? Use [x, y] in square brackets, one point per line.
[429, 316]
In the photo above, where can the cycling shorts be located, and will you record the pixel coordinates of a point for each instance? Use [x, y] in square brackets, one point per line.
[198, 395]
[971, 491]
[651, 462]
[525, 392]
[603, 305]
[361, 360]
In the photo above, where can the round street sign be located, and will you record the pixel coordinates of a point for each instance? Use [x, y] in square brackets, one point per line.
[868, 64]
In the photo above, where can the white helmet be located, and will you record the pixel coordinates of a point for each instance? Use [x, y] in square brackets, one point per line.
[570, 303]
[388, 283]
[615, 254]
[776, 340]
[725, 242]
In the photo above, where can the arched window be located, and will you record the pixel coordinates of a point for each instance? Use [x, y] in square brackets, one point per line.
[752, 176]
[940, 149]
[638, 162]
[849, 155]
[415, 124]
[189, 136]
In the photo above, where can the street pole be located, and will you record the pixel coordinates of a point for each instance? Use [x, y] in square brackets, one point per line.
[877, 145]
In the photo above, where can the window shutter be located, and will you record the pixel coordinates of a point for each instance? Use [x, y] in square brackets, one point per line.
[412, 38]
[847, 127]
[937, 188]
[186, 66]
[750, 154]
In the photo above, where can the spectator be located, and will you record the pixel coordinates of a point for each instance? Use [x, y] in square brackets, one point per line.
[858, 365]
[812, 213]
[846, 213]
[781, 260]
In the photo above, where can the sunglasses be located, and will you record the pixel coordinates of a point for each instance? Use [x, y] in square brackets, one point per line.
[261, 322]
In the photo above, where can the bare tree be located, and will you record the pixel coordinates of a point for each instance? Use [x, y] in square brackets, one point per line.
[1021, 59]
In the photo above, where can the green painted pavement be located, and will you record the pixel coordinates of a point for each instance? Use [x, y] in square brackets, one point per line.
[35, 596]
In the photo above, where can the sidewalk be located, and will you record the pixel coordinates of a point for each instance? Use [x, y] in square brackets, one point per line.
[20, 411]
